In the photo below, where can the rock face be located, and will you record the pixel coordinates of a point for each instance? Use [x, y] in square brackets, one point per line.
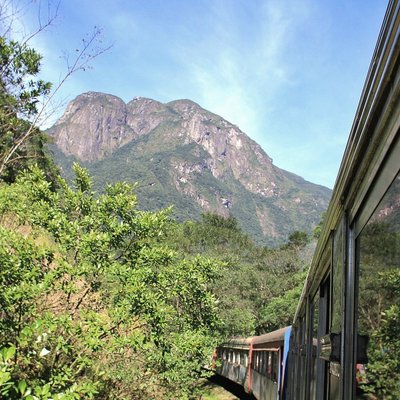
[93, 126]
[184, 155]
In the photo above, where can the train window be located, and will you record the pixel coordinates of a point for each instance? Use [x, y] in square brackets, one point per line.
[269, 370]
[378, 248]
[322, 388]
[274, 360]
[264, 361]
[314, 345]
[337, 279]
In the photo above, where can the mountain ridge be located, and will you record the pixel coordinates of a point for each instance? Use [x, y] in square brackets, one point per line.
[194, 158]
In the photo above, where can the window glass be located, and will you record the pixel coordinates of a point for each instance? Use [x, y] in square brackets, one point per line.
[269, 370]
[314, 345]
[302, 362]
[337, 276]
[264, 361]
[378, 321]
[274, 361]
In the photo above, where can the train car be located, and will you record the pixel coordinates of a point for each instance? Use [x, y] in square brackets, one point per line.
[268, 361]
[345, 341]
[233, 359]
[257, 363]
[347, 322]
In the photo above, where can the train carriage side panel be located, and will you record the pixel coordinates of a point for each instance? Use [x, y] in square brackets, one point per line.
[268, 352]
[233, 359]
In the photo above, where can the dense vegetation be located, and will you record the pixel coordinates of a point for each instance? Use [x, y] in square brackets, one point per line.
[172, 170]
[93, 303]
[101, 300]
[379, 307]
[257, 288]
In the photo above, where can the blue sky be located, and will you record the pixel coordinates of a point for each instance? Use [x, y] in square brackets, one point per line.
[289, 73]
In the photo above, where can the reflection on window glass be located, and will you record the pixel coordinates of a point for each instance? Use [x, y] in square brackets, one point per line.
[274, 367]
[315, 314]
[337, 281]
[379, 300]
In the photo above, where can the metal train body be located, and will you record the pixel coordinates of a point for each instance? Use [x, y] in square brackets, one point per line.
[257, 363]
[345, 300]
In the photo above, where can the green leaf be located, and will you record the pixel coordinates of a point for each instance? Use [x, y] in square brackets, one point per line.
[9, 353]
[4, 377]
[22, 386]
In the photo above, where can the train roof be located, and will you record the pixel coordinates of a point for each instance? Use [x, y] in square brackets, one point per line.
[271, 337]
[240, 343]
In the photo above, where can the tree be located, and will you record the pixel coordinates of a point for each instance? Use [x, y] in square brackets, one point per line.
[19, 96]
[379, 306]
[93, 303]
[25, 100]
[257, 288]
[298, 238]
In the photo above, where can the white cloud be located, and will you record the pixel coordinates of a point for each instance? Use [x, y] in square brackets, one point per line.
[239, 80]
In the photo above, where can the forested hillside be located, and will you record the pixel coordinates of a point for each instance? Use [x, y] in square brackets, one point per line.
[102, 300]
[184, 155]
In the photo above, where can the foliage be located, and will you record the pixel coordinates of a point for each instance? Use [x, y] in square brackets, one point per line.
[149, 160]
[280, 310]
[94, 304]
[257, 288]
[26, 101]
[379, 303]
[318, 229]
[383, 368]
[298, 238]
[20, 93]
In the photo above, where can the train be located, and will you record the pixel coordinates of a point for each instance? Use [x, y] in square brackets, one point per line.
[258, 363]
[344, 342]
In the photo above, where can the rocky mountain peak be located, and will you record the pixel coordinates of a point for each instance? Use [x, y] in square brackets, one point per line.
[207, 160]
[185, 106]
[93, 126]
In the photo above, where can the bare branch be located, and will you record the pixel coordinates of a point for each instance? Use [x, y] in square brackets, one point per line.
[82, 60]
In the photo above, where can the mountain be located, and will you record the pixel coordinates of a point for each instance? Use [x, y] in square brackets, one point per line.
[184, 155]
